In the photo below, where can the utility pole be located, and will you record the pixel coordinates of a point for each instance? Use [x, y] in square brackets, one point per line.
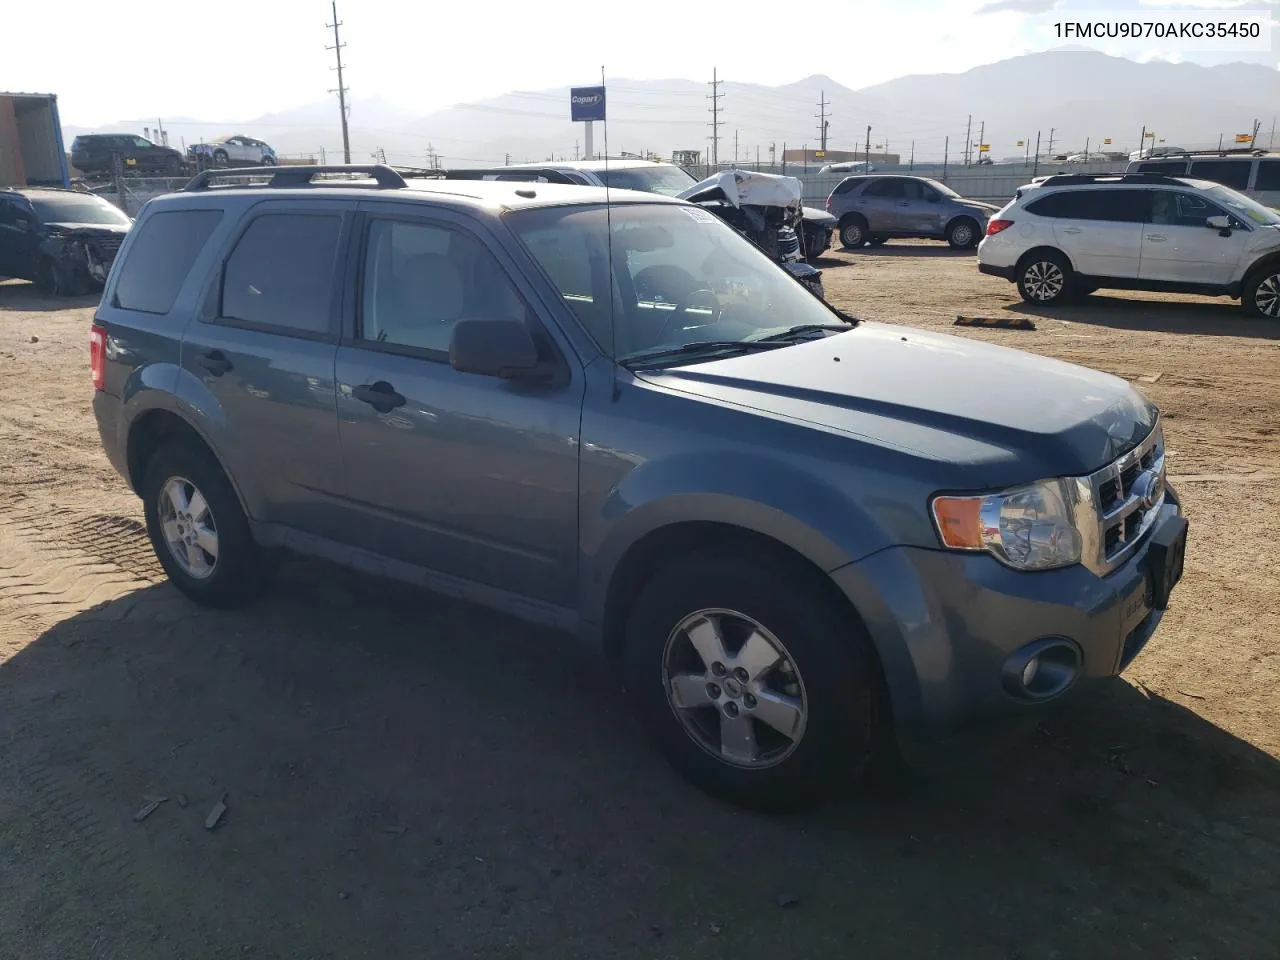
[1272, 143]
[342, 90]
[1142, 141]
[1051, 129]
[161, 135]
[968, 139]
[735, 148]
[868, 148]
[946, 155]
[1036, 168]
[1027, 158]
[773, 155]
[1254, 141]
[982, 137]
[822, 120]
[911, 164]
[716, 122]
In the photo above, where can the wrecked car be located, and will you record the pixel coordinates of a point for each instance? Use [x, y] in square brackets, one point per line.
[767, 210]
[64, 240]
[647, 176]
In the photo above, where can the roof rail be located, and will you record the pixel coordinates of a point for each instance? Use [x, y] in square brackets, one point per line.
[386, 177]
[1067, 179]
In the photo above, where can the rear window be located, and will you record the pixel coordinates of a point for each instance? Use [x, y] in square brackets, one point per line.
[160, 258]
[1268, 175]
[1229, 173]
[281, 272]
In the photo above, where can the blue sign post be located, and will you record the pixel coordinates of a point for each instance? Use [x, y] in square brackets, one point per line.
[586, 104]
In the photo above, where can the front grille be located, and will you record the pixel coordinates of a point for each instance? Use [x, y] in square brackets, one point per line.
[1117, 505]
[788, 244]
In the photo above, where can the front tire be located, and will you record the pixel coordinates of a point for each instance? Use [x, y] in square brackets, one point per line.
[199, 531]
[220, 158]
[1045, 278]
[1261, 295]
[751, 680]
[962, 234]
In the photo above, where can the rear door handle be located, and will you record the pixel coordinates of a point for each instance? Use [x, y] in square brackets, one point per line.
[904, 203]
[1157, 237]
[1071, 230]
[215, 361]
[380, 395]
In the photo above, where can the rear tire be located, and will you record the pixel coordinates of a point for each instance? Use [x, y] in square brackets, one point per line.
[220, 158]
[853, 233]
[823, 685]
[1045, 278]
[206, 549]
[1261, 294]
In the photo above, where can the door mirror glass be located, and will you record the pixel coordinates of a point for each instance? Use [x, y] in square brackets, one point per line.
[495, 347]
[1218, 223]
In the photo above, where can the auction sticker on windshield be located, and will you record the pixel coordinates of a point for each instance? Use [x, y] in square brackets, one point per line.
[697, 213]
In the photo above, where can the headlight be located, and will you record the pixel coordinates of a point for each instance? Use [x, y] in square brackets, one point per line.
[1027, 528]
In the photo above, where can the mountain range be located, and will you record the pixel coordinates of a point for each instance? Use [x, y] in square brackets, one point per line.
[1067, 96]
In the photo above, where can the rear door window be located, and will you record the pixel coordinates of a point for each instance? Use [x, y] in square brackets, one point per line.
[280, 275]
[893, 189]
[1229, 173]
[1268, 175]
[160, 257]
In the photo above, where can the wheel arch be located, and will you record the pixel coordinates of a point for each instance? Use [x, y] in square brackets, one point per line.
[956, 218]
[1040, 250]
[157, 427]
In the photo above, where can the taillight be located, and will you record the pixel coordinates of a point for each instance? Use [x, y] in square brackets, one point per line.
[98, 355]
[995, 226]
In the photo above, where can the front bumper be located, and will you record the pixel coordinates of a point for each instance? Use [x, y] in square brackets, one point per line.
[946, 625]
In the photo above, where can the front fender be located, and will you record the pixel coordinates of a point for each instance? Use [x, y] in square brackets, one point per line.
[755, 492]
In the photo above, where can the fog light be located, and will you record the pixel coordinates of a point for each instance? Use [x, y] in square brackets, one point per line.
[1029, 671]
[1043, 669]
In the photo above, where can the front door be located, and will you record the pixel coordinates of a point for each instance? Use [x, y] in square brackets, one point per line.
[264, 347]
[1179, 247]
[471, 476]
[884, 205]
[18, 242]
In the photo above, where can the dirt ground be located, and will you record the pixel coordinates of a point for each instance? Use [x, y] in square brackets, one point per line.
[406, 776]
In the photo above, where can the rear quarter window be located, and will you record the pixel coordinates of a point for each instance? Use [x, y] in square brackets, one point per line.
[160, 257]
[1229, 173]
[1173, 168]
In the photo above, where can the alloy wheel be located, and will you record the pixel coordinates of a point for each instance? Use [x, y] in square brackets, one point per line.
[1044, 280]
[1267, 297]
[734, 688]
[188, 527]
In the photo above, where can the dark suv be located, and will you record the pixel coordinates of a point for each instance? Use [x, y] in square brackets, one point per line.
[92, 153]
[789, 532]
[63, 240]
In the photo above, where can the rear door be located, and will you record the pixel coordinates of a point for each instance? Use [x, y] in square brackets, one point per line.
[472, 476]
[264, 348]
[883, 203]
[1100, 230]
[1179, 247]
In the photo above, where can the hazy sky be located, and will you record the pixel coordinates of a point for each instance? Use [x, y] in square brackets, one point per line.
[236, 59]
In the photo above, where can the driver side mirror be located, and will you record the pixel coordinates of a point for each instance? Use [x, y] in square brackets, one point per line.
[496, 347]
[1221, 224]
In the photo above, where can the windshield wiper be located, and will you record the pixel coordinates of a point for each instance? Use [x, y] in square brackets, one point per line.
[699, 346]
[801, 329]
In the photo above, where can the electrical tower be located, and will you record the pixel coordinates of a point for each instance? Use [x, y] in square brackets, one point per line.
[716, 122]
[341, 91]
[823, 123]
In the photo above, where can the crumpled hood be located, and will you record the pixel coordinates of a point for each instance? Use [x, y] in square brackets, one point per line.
[89, 229]
[995, 415]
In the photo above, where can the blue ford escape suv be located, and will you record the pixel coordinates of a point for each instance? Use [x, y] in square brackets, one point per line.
[790, 531]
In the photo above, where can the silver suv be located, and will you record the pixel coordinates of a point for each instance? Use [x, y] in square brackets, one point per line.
[874, 209]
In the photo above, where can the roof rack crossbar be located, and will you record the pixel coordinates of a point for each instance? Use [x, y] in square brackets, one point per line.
[385, 177]
[1066, 179]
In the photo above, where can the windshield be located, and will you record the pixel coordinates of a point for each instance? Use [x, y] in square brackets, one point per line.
[1246, 208]
[73, 209]
[943, 189]
[678, 275]
[668, 181]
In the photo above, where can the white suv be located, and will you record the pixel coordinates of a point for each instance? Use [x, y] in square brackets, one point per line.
[1070, 235]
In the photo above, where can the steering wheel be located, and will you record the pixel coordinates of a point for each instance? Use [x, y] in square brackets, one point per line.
[691, 300]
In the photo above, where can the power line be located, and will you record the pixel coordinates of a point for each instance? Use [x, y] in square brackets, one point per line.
[716, 122]
[342, 90]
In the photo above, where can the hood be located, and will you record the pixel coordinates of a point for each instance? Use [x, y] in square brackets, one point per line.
[986, 208]
[89, 229]
[737, 187]
[995, 416]
[818, 215]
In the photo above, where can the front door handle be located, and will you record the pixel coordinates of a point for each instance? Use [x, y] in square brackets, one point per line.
[380, 395]
[215, 361]
[904, 203]
[1157, 237]
[1070, 229]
